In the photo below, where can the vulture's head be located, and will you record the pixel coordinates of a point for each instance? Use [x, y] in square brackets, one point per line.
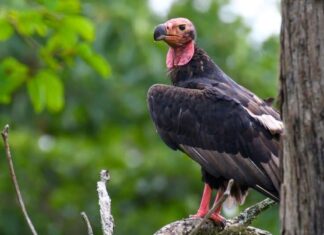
[176, 32]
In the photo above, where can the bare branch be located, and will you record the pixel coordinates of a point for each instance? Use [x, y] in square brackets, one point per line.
[185, 226]
[5, 137]
[237, 225]
[107, 221]
[214, 207]
[249, 214]
[86, 220]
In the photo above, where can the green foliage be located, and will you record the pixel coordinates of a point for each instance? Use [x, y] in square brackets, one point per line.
[55, 34]
[6, 30]
[46, 90]
[12, 73]
[105, 123]
[96, 61]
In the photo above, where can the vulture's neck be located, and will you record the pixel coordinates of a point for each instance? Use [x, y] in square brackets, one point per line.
[199, 66]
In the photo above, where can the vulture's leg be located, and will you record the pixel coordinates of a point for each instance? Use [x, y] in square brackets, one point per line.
[205, 200]
[216, 214]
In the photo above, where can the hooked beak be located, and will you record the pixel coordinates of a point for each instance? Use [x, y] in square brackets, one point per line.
[160, 32]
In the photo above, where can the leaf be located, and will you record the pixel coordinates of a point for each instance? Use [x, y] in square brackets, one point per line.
[6, 30]
[54, 90]
[99, 64]
[36, 91]
[61, 46]
[85, 51]
[81, 25]
[62, 40]
[30, 22]
[71, 6]
[96, 61]
[46, 90]
[12, 75]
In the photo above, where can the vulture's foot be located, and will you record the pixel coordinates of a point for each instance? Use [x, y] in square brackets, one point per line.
[216, 217]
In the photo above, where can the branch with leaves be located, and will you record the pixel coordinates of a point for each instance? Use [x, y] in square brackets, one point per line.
[53, 36]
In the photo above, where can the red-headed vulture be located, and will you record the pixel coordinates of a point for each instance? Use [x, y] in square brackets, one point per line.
[229, 131]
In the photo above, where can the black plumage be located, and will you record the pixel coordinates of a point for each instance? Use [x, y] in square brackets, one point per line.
[221, 125]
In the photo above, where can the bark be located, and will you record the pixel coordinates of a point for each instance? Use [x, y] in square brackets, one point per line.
[107, 220]
[302, 107]
[238, 225]
[185, 226]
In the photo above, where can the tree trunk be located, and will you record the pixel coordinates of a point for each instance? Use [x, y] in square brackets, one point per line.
[302, 108]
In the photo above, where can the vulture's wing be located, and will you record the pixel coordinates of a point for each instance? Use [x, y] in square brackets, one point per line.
[260, 110]
[219, 133]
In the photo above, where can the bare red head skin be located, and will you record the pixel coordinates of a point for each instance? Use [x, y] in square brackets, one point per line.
[179, 34]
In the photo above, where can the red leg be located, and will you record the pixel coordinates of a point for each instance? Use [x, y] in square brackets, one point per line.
[205, 200]
[216, 215]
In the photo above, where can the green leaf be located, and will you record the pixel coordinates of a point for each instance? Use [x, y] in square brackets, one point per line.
[36, 91]
[61, 46]
[6, 30]
[62, 40]
[97, 62]
[54, 90]
[46, 90]
[85, 51]
[71, 6]
[80, 25]
[12, 75]
[85, 28]
[30, 22]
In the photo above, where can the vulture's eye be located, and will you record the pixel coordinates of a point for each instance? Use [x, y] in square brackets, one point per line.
[182, 27]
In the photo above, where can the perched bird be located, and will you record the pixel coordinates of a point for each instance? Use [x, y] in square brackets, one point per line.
[225, 128]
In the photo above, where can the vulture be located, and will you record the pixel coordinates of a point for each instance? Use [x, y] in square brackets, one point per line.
[229, 131]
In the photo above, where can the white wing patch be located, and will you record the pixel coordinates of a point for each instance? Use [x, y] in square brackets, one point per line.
[269, 122]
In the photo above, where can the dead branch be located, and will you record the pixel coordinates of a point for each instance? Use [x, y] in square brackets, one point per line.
[249, 214]
[86, 220]
[5, 137]
[107, 221]
[237, 225]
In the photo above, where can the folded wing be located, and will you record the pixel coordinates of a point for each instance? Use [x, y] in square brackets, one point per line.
[219, 132]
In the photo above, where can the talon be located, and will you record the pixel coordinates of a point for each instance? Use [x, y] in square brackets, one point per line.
[215, 217]
[218, 219]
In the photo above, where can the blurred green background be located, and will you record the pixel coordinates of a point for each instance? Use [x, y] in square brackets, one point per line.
[73, 82]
